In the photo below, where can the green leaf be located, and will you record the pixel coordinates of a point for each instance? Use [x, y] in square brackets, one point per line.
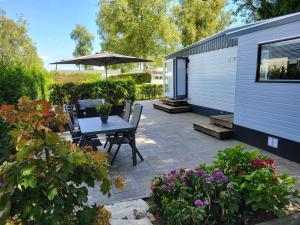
[52, 193]
[78, 158]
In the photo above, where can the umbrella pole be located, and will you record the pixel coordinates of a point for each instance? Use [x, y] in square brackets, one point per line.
[106, 84]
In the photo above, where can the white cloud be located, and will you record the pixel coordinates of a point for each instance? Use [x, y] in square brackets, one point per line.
[45, 58]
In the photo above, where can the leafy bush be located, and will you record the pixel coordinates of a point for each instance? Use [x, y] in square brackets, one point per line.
[17, 81]
[43, 183]
[139, 78]
[118, 91]
[149, 91]
[238, 188]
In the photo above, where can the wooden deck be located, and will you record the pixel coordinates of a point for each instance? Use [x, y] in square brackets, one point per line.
[213, 130]
[218, 126]
[172, 109]
[222, 120]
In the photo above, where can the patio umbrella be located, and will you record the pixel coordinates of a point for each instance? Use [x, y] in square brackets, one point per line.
[102, 59]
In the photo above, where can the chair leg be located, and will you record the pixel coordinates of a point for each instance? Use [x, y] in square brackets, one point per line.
[106, 142]
[115, 155]
[110, 147]
[139, 154]
[134, 152]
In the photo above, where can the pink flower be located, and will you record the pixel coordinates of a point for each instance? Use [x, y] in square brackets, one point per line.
[200, 202]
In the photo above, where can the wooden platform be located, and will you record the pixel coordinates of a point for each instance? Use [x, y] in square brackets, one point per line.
[222, 120]
[174, 102]
[213, 130]
[172, 109]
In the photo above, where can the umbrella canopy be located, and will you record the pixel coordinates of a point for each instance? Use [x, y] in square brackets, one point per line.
[102, 59]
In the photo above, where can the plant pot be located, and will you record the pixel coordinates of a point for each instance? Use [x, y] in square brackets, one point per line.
[104, 118]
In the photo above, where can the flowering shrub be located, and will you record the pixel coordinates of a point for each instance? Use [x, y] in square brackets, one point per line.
[43, 181]
[238, 187]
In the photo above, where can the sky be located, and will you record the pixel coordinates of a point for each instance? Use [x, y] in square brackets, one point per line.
[50, 23]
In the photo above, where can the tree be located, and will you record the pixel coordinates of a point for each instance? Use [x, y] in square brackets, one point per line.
[138, 28]
[83, 39]
[17, 47]
[255, 10]
[198, 19]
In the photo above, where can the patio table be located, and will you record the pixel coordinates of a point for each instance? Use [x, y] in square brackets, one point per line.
[93, 125]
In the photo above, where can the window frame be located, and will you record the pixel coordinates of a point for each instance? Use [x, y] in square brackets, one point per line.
[257, 80]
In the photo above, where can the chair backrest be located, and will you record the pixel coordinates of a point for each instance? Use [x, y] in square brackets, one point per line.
[70, 113]
[136, 115]
[89, 103]
[71, 128]
[127, 111]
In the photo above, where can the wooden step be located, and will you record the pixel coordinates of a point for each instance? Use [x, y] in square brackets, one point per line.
[222, 120]
[172, 109]
[174, 102]
[213, 130]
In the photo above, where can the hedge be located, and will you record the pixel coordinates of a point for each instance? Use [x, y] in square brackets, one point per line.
[119, 91]
[149, 91]
[16, 81]
[139, 78]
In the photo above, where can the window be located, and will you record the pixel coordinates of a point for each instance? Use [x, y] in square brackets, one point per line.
[279, 61]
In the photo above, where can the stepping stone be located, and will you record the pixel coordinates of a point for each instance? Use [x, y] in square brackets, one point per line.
[134, 212]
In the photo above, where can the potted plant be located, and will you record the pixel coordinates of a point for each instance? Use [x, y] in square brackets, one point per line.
[104, 110]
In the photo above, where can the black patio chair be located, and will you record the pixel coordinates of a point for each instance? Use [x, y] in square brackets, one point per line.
[86, 107]
[125, 116]
[127, 137]
[93, 140]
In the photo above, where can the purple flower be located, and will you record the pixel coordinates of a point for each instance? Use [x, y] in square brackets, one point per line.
[199, 172]
[220, 176]
[200, 202]
[189, 172]
[209, 179]
[172, 173]
[183, 178]
[217, 175]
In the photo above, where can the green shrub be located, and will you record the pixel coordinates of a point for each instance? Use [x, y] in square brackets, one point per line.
[47, 180]
[149, 91]
[238, 188]
[118, 91]
[18, 80]
[139, 78]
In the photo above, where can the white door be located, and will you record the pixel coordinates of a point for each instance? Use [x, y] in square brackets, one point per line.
[169, 78]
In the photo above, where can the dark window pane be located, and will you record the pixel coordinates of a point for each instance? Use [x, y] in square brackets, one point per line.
[280, 61]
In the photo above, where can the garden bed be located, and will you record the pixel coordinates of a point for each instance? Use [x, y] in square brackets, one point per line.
[239, 188]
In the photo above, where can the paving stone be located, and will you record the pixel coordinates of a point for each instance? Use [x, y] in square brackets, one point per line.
[168, 141]
[130, 212]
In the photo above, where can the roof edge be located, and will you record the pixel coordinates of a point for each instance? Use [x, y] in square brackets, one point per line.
[274, 22]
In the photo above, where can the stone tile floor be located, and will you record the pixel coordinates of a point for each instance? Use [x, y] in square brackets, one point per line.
[168, 141]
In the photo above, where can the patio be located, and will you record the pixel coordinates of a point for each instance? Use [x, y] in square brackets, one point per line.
[168, 141]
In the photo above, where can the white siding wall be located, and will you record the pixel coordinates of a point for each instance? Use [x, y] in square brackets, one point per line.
[211, 79]
[273, 108]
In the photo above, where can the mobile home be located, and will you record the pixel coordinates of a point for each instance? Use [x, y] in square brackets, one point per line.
[252, 72]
